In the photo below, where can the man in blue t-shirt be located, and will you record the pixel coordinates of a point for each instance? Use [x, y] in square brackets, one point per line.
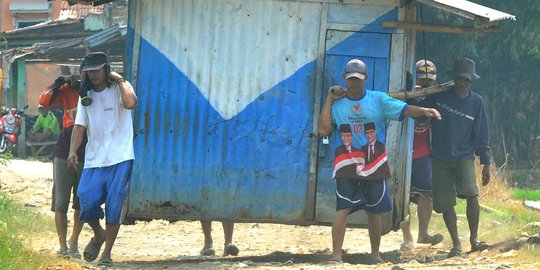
[462, 133]
[355, 107]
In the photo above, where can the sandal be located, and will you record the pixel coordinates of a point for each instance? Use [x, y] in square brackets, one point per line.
[406, 246]
[230, 249]
[478, 246]
[454, 252]
[432, 239]
[105, 262]
[208, 252]
[74, 253]
[91, 251]
[62, 253]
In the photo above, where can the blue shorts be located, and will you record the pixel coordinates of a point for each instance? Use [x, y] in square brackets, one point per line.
[109, 185]
[371, 195]
[421, 174]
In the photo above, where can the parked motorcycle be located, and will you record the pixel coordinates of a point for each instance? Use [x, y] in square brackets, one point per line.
[10, 128]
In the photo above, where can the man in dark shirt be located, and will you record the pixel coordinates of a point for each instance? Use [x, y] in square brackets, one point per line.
[462, 133]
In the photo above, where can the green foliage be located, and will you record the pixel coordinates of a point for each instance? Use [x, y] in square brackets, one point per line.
[524, 194]
[508, 63]
[5, 158]
[15, 224]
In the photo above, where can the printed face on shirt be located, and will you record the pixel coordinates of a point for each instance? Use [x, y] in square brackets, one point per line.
[347, 139]
[370, 135]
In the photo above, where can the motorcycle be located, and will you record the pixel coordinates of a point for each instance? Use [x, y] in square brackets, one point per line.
[10, 128]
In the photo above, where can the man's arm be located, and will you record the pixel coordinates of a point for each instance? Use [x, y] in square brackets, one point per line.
[417, 112]
[129, 99]
[77, 135]
[325, 118]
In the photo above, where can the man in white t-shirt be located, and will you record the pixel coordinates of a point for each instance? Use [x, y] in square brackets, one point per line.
[109, 152]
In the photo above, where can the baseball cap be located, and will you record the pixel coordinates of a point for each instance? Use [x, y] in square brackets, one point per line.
[355, 68]
[94, 61]
[426, 69]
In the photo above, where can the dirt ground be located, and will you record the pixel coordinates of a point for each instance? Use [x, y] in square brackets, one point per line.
[163, 245]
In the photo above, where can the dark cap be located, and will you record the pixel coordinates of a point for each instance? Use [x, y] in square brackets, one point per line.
[464, 67]
[425, 69]
[94, 61]
[369, 126]
[345, 128]
[355, 68]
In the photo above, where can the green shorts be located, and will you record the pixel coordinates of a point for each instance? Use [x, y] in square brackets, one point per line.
[451, 179]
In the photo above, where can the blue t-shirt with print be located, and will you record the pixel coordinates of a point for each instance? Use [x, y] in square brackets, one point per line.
[374, 106]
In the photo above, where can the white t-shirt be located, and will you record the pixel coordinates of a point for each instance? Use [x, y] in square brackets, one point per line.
[109, 128]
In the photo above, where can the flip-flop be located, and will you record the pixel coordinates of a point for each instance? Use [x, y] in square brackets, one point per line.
[432, 239]
[230, 249]
[208, 252]
[91, 251]
[454, 252]
[74, 253]
[478, 246]
[333, 261]
[406, 246]
[62, 253]
[105, 262]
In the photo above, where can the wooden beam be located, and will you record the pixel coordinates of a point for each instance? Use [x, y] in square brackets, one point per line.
[427, 27]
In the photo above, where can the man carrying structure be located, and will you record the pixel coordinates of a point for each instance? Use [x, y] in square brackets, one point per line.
[462, 134]
[421, 192]
[109, 152]
[357, 106]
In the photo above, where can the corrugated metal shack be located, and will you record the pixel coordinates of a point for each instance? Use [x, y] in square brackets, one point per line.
[230, 92]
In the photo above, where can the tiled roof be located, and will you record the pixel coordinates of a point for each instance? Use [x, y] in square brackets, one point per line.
[29, 6]
[78, 11]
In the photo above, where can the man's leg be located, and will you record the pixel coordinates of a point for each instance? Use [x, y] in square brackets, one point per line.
[375, 230]
[228, 229]
[208, 248]
[229, 247]
[425, 207]
[450, 219]
[60, 220]
[111, 232]
[338, 233]
[99, 232]
[473, 217]
[407, 236]
[77, 228]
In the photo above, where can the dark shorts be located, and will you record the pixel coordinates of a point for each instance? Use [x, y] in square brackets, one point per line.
[421, 184]
[371, 195]
[451, 180]
[66, 181]
[109, 185]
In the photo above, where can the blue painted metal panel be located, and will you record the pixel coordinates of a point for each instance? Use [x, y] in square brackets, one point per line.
[223, 126]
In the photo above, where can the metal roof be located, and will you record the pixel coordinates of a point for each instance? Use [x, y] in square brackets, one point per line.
[29, 6]
[469, 10]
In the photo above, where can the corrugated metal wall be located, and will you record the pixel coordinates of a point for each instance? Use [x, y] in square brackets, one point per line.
[227, 94]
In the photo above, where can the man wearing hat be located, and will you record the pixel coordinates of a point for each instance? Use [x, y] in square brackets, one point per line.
[64, 92]
[357, 106]
[421, 191]
[462, 133]
[46, 126]
[109, 152]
